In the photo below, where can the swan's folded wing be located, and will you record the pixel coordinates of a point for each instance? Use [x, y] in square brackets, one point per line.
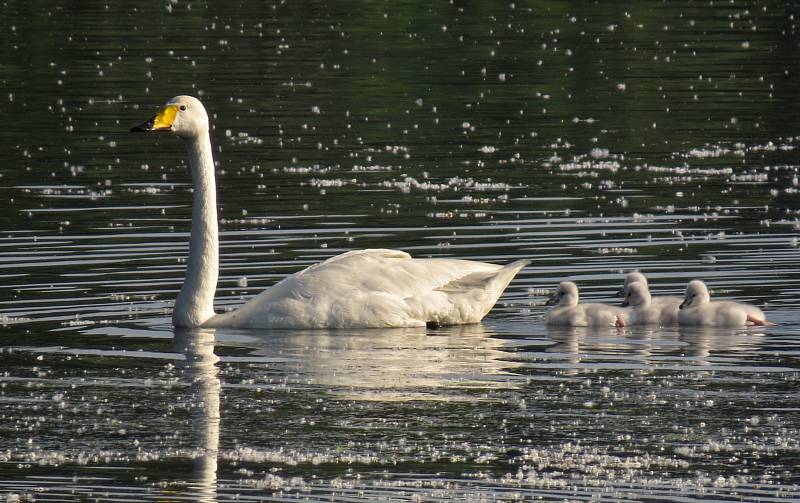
[379, 288]
[379, 253]
[333, 276]
[482, 279]
[466, 299]
[383, 271]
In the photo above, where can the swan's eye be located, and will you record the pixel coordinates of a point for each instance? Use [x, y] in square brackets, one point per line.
[183, 108]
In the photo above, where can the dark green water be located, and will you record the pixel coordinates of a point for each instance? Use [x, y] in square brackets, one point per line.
[594, 138]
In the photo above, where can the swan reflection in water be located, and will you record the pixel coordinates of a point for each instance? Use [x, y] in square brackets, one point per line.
[201, 373]
[649, 348]
[443, 365]
[582, 349]
[702, 343]
[387, 365]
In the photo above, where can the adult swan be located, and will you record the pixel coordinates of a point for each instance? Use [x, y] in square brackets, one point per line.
[362, 288]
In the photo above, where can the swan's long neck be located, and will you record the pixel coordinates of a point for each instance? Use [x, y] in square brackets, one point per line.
[195, 303]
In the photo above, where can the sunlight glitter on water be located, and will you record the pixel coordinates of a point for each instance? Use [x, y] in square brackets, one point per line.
[593, 140]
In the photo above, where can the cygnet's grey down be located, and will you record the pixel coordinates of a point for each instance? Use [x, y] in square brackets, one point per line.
[632, 277]
[568, 312]
[644, 311]
[698, 310]
[665, 303]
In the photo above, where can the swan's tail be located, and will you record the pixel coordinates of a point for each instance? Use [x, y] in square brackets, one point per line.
[474, 295]
[504, 277]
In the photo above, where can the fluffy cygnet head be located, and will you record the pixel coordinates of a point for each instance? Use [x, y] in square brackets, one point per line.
[183, 116]
[696, 294]
[632, 277]
[566, 295]
[636, 294]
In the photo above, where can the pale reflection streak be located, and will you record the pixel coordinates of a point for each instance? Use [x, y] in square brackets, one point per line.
[389, 365]
[400, 365]
[582, 348]
[651, 348]
[200, 370]
[703, 342]
[393, 365]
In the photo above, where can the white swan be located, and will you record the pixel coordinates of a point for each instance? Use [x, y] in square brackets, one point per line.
[644, 311]
[665, 303]
[568, 312]
[698, 310]
[364, 288]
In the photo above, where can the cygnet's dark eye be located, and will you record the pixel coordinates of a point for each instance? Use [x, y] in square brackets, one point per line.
[183, 108]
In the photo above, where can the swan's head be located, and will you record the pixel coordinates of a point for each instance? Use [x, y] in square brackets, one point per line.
[636, 294]
[566, 295]
[182, 115]
[632, 277]
[696, 294]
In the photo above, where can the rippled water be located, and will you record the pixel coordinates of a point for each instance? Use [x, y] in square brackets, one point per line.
[593, 138]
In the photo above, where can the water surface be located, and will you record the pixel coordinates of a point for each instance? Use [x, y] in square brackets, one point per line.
[593, 138]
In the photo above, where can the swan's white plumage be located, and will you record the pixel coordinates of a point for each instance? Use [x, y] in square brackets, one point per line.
[698, 310]
[643, 311]
[376, 288]
[569, 312]
[363, 288]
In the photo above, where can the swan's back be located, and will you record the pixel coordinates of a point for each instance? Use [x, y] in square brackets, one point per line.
[377, 288]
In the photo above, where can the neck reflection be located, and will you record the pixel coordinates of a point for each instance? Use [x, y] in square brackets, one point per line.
[201, 372]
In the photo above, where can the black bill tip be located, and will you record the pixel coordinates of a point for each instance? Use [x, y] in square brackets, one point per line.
[144, 127]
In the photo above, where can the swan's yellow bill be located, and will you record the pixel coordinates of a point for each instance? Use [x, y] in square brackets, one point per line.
[165, 117]
[161, 122]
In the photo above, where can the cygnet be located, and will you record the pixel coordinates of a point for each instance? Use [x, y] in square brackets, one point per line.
[632, 277]
[698, 310]
[665, 303]
[646, 312]
[568, 312]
